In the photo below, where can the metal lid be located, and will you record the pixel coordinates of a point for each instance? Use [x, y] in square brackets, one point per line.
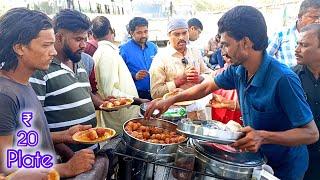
[242, 159]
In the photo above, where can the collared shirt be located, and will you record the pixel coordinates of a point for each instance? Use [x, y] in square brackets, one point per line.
[138, 59]
[272, 101]
[168, 64]
[114, 79]
[65, 97]
[311, 88]
[91, 47]
[283, 45]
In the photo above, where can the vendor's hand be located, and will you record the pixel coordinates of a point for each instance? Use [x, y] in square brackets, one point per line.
[138, 101]
[219, 101]
[81, 162]
[72, 130]
[161, 105]
[251, 142]
[141, 74]
[192, 75]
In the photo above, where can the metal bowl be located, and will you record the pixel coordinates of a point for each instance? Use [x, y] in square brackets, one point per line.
[148, 146]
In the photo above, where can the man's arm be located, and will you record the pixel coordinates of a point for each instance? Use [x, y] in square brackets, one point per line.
[306, 134]
[96, 99]
[196, 92]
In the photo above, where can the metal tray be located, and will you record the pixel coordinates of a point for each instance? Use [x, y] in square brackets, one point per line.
[208, 130]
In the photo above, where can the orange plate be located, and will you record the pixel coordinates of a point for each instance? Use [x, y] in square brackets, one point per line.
[128, 103]
[183, 103]
[81, 136]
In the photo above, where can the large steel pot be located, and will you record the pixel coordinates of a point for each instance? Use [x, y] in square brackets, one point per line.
[148, 146]
[226, 166]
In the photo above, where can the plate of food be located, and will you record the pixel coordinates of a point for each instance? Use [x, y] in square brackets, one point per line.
[116, 103]
[94, 135]
[183, 103]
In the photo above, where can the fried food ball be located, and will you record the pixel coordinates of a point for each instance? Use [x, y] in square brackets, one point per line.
[108, 104]
[139, 124]
[158, 136]
[181, 139]
[155, 141]
[153, 136]
[128, 128]
[92, 134]
[135, 134]
[135, 126]
[101, 132]
[140, 136]
[143, 128]
[53, 175]
[117, 103]
[146, 135]
[174, 140]
[123, 101]
[130, 123]
[163, 136]
[173, 133]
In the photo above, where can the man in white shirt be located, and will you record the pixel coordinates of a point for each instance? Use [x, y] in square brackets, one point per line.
[112, 74]
[178, 66]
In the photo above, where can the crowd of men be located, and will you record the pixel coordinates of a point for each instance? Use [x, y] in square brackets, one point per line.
[51, 67]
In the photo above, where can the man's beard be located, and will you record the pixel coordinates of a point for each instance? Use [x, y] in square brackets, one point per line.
[74, 57]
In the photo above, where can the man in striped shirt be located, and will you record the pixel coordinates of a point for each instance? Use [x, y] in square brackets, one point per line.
[64, 89]
[283, 44]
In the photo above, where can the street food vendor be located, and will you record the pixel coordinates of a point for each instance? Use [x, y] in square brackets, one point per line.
[277, 117]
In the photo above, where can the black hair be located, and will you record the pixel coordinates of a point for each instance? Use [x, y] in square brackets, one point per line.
[137, 21]
[217, 38]
[195, 22]
[313, 27]
[100, 26]
[19, 26]
[306, 4]
[71, 20]
[245, 21]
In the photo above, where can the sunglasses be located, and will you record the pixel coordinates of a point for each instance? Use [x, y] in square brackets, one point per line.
[184, 61]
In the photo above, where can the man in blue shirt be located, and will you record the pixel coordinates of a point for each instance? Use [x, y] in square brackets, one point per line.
[138, 54]
[277, 117]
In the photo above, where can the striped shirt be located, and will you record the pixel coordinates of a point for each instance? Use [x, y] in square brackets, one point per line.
[65, 97]
[283, 45]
